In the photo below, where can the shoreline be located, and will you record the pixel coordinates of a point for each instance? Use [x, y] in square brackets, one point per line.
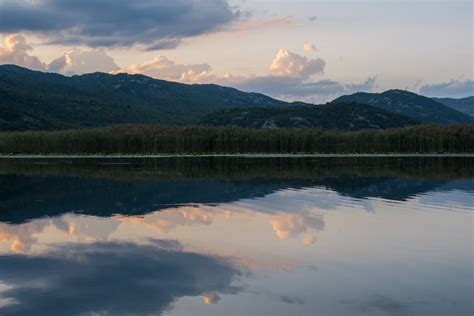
[261, 155]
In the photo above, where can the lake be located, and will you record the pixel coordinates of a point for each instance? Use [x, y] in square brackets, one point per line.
[237, 236]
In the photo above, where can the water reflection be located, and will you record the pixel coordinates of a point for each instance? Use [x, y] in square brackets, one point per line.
[262, 237]
[139, 187]
[136, 279]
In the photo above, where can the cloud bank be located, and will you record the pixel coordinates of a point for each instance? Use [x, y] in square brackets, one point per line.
[290, 76]
[75, 61]
[453, 89]
[153, 24]
[161, 67]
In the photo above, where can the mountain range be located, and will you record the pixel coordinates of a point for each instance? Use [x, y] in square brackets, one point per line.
[465, 105]
[340, 116]
[411, 105]
[32, 100]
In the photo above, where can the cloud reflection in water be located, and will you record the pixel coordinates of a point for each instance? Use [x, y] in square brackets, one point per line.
[111, 278]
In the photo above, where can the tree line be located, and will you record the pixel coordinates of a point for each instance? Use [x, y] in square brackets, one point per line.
[158, 139]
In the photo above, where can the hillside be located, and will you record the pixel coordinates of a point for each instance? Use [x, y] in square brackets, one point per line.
[32, 100]
[465, 105]
[341, 116]
[412, 105]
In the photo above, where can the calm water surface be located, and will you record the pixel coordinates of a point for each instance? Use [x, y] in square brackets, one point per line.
[235, 236]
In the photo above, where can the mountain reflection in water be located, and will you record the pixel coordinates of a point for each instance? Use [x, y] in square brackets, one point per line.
[236, 236]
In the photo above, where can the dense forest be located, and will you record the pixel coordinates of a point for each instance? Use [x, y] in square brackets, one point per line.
[156, 139]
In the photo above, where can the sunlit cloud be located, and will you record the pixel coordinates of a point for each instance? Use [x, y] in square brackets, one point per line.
[161, 67]
[290, 74]
[291, 225]
[171, 219]
[211, 298]
[77, 61]
[74, 61]
[309, 239]
[21, 238]
[17, 52]
[309, 48]
[287, 63]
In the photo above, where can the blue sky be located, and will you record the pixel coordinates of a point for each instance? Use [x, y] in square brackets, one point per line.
[297, 50]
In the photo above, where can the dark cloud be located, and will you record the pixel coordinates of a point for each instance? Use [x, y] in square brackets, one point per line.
[116, 22]
[382, 304]
[291, 300]
[110, 279]
[164, 44]
[453, 89]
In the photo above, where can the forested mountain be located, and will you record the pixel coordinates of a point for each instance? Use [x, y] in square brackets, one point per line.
[465, 105]
[412, 105]
[341, 116]
[32, 100]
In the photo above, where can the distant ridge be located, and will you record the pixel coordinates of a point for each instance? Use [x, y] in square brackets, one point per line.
[410, 104]
[465, 105]
[340, 116]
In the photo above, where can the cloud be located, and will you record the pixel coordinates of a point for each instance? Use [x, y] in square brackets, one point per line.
[116, 22]
[171, 219]
[289, 79]
[309, 48]
[287, 63]
[161, 67]
[309, 240]
[24, 238]
[164, 44]
[296, 88]
[254, 23]
[290, 225]
[453, 89]
[16, 52]
[211, 298]
[382, 304]
[130, 279]
[291, 300]
[77, 61]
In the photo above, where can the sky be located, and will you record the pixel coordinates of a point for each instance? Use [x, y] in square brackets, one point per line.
[308, 50]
